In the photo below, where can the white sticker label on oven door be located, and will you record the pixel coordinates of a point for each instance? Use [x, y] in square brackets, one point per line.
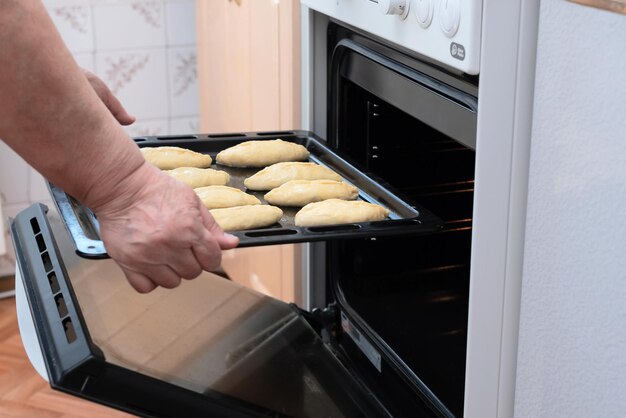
[365, 346]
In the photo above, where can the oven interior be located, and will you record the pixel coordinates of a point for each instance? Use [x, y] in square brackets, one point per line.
[409, 295]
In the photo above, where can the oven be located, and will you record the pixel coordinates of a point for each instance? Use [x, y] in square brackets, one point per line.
[410, 121]
[382, 329]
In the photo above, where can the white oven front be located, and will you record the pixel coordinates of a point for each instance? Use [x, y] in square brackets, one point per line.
[444, 31]
[499, 44]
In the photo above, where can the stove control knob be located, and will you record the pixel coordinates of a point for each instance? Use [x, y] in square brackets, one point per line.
[449, 16]
[424, 12]
[394, 7]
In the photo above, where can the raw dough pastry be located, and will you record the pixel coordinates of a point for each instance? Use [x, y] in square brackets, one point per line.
[302, 192]
[262, 153]
[336, 211]
[246, 217]
[215, 197]
[278, 174]
[200, 177]
[168, 158]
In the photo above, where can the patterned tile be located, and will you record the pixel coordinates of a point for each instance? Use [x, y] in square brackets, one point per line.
[148, 128]
[183, 81]
[144, 50]
[181, 22]
[38, 187]
[138, 79]
[74, 22]
[180, 126]
[8, 259]
[129, 24]
[11, 210]
[13, 177]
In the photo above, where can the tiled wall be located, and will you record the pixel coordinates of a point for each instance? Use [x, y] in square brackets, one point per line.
[145, 50]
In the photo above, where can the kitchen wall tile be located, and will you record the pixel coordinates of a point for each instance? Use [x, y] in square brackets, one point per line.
[38, 187]
[7, 261]
[138, 78]
[148, 128]
[155, 82]
[183, 81]
[11, 210]
[180, 17]
[130, 24]
[184, 125]
[74, 22]
[13, 177]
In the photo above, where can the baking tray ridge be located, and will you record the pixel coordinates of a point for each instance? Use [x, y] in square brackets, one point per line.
[404, 218]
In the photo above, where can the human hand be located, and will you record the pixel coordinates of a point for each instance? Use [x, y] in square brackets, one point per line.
[158, 231]
[109, 99]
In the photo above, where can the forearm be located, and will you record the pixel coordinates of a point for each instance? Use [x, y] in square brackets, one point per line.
[50, 115]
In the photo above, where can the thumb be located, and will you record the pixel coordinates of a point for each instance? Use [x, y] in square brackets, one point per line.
[225, 241]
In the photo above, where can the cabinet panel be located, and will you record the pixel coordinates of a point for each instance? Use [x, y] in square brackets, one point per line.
[265, 66]
[249, 78]
[269, 270]
[248, 64]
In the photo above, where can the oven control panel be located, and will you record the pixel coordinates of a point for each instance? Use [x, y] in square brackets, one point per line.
[447, 31]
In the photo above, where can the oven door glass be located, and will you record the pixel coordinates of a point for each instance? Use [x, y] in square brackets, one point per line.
[414, 126]
[208, 348]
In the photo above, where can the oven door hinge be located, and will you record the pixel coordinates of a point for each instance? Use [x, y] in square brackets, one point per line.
[324, 321]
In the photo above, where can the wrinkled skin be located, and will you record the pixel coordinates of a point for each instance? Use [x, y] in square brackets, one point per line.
[66, 123]
[161, 232]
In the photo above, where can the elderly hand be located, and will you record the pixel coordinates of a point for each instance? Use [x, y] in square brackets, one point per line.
[109, 100]
[158, 231]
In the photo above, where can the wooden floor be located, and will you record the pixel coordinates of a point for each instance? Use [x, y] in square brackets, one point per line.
[23, 393]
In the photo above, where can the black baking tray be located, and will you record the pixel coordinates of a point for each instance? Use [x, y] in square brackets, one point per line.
[404, 218]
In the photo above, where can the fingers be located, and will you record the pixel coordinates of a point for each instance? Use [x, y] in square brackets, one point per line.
[186, 265]
[108, 98]
[159, 244]
[139, 282]
[208, 253]
[116, 108]
[227, 241]
[162, 275]
[168, 276]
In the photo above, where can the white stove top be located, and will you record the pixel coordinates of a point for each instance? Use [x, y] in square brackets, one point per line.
[447, 31]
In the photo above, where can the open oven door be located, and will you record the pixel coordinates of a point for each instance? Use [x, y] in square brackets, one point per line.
[210, 348]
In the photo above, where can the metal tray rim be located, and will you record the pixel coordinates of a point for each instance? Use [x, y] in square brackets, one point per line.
[83, 228]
